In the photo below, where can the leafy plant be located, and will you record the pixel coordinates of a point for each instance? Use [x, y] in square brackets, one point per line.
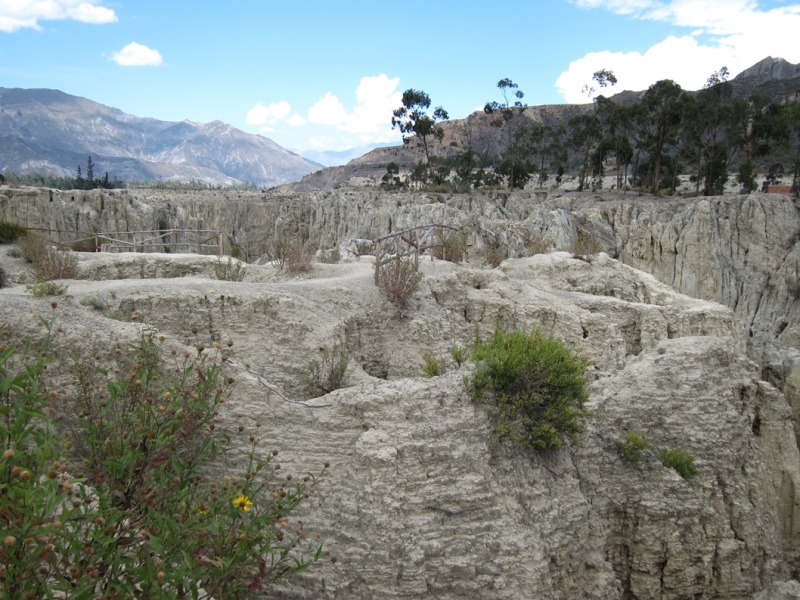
[46, 288]
[128, 511]
[631, 447]
[329, 372]
[452, 248]
[97, 303]
[534, 387]
[681, 461]
[398, 279]
[330, 257]
[432, 366]
[9, 232]
[230, 270]
[458, 354]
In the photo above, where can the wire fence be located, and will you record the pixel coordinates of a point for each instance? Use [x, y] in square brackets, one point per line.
[186, 241]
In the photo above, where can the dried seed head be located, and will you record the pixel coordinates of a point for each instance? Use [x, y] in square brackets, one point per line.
[194, 329]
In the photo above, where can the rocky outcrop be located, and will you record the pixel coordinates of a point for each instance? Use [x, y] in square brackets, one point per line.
[421, 500]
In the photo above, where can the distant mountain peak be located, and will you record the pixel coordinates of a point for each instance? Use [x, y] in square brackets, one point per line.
[51, 130]
[771, 68]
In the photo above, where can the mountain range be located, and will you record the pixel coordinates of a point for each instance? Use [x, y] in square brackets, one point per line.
[48, 131]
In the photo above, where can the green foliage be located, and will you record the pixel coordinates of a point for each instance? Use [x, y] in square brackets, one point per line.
[398, 279]
[450, 247]
[681, 461]
[330, 257]
[329, 373]
[230, 270]
[112, 499]
[631, 447]
[432, 366]
[534, 385]
[412, 119]
[97, 303]
[46, 288]
[458, 354]
[9, 232]
[391, 179]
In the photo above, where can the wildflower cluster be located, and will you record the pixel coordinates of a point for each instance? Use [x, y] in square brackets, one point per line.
[103, 487]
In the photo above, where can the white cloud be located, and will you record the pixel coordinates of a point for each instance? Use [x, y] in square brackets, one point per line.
[137, 55]
[26, 14]
[262, 114]
[743, 34]
[296, 120]
[327, 111]
[376, 98]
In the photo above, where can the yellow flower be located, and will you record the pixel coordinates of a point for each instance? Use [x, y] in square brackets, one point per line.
[242, 503]
[202, 510]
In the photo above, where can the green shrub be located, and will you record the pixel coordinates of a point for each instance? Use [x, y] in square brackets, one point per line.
[97, 303]
[432, 367]
[329, 372]
[113, 499]
[458, 354]
[230, 270]
[452, 248]
[631, 447]
[46, 288]
[9, 232]
[681, 461]
[534, 385]
[330, 257]
[398, 279]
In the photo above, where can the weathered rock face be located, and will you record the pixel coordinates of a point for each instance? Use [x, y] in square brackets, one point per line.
[421, 500]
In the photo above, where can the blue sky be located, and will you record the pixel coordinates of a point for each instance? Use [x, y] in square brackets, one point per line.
[325, 75]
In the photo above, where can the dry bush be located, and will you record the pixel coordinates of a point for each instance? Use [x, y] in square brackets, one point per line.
[4, 281]
[398, 280]
[495, 255]
[537, 245]
[298, 257]
[56, 264]
[32, 247]
[48, 262]
[586, 247]
[290, 253]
